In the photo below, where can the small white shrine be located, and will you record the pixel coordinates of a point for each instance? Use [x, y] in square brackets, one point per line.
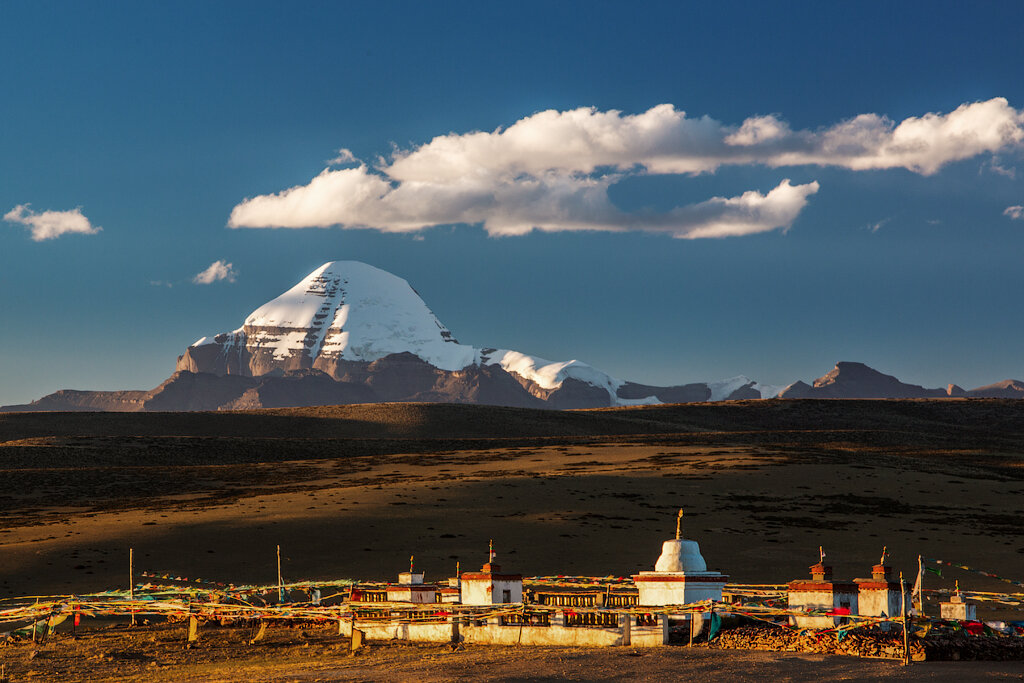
[490, 586]
[680, 575]
[410, 588]
[956, 609]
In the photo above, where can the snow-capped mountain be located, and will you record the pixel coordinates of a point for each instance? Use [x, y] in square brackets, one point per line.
[352, 333]
[342, 311]
[346, 314]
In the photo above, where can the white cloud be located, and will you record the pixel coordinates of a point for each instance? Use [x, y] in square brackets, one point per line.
[995, 166]
[218, 270]
[50, 225]
[551, 202]
[551, 171]
[664, 140]
[1014, 212]
[345, 156]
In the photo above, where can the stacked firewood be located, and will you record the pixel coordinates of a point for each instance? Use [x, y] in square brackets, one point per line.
[857, 644]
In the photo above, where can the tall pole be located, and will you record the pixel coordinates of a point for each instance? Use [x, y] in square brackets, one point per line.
[920, 585]
[906, 618]
[131, 580]
[280, 581]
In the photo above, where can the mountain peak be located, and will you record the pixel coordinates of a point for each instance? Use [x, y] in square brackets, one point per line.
[850, 370]
[347, 311]
[1008, 388]
[857, 380]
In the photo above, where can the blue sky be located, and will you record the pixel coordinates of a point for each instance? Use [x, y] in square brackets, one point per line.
[158, 120]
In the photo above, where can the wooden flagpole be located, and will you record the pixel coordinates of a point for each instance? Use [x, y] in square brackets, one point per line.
[280, 580]
[131, 580]
[920, 585]
[906, 619]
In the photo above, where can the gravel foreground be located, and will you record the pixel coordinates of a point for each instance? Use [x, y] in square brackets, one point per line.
[158, 653]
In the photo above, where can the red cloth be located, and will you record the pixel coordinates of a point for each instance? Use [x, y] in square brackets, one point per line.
[975, 628]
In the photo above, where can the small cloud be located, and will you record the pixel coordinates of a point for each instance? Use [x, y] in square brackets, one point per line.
[933, 221]
[218, 270]
[1015, 213]
[160, 283]
[994, 166]
[875, 227]
[345, 156]
[50, 225]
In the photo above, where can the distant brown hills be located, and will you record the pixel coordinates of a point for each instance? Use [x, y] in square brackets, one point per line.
[405, 377]
[857, 380]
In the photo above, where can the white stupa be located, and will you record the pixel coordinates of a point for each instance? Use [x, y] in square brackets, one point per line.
[680, 575]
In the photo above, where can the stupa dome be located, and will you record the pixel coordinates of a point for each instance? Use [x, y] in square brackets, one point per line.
[680, 555]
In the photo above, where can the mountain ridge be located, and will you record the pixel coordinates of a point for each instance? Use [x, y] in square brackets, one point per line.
[351, 333]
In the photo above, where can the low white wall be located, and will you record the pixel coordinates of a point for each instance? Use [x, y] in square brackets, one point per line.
[495, 634]
[382, 630]
[491, 632]
[648, 636]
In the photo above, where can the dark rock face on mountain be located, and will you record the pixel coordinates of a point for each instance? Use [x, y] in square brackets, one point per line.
[856, 380]
[686, 393]
[745, 393]
[798, 389]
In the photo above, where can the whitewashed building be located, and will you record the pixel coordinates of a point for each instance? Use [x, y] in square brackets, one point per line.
[490, 586]
[882, 595]
[410, 588]
[822, 593]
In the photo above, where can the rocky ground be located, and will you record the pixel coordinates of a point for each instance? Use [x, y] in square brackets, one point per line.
[157, 653]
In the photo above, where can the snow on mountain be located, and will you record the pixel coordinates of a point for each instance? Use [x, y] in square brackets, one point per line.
[722, 389]
[550, 375]
[347, 310]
